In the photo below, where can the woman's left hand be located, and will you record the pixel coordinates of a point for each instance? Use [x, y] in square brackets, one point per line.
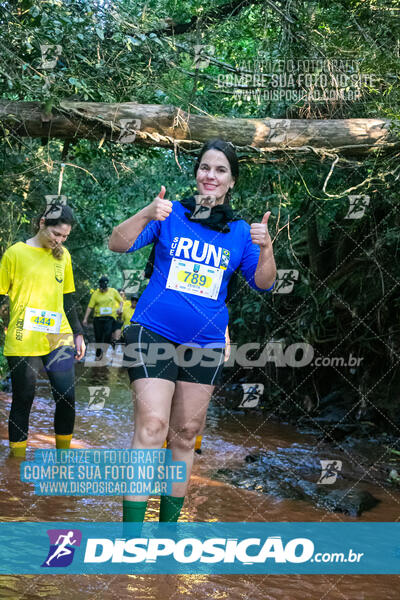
[259, 231]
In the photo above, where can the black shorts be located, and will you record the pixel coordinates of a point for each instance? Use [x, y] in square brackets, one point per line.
[148, 354]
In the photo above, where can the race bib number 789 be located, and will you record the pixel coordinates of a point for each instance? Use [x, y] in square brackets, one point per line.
[194, 278]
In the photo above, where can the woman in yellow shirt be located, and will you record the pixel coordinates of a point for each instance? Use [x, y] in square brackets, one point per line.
[37, 277]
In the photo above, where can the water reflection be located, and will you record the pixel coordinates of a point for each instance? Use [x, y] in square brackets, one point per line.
[229, 438]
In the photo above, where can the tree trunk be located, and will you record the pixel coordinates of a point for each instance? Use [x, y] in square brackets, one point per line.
[168, 126]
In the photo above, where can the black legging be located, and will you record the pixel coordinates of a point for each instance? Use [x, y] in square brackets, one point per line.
[103, 327]
[59, 365]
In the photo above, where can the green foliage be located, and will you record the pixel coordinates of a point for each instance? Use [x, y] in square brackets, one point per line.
[346, 298]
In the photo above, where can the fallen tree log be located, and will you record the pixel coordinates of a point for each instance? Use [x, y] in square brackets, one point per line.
[170, 127]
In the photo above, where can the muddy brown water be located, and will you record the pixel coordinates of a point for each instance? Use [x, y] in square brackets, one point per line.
[228, 439]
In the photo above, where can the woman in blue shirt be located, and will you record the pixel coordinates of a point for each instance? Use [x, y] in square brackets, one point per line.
[175, 344]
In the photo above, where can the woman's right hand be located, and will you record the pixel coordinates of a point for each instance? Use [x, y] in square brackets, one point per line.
[160, 208]
[125, 234]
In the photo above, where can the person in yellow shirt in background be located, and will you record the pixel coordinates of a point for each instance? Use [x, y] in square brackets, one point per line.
[105, 301]
[128, 311]
[44, 328]
[118, 324]
[127, 301]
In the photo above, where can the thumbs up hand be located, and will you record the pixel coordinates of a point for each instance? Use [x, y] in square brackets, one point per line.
[259, 231]
[160, 208]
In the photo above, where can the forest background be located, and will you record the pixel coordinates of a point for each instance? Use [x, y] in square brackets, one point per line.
[345, 300]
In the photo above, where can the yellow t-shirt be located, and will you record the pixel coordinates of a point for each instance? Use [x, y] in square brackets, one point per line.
[105, 304]
[124, 305]
[127, 314]
[34, 279]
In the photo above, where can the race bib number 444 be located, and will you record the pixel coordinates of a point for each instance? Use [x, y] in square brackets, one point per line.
[194, 278]
[42, 320]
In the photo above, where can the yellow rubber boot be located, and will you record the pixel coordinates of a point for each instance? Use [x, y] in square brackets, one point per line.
[197, 444]
[18, 449]
[63, 442]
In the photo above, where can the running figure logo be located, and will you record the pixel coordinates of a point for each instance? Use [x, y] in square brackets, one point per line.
[132, 280]
[50, 54]
[202, 55]
[54, 206]
[252, 393]
[62, 542]
[330, 471]
[357, 206]
[58, 358]
[98, 397]
[204, 204]
[128, 130]
[285, 279]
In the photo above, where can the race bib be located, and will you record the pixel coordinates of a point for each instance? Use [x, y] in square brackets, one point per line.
[42, 320]
[194, 278]
[105, 310]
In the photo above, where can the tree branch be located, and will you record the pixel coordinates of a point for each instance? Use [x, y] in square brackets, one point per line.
[169, 126]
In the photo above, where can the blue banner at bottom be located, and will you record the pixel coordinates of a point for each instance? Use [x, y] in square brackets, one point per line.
[203, 548]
